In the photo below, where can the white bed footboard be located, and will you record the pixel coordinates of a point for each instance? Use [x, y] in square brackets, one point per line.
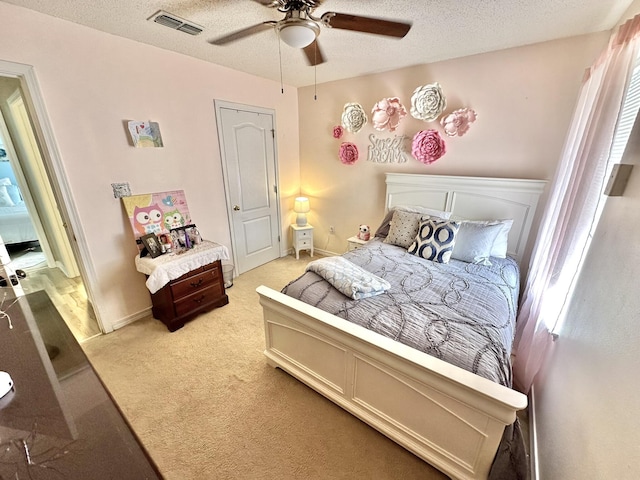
[447, 416]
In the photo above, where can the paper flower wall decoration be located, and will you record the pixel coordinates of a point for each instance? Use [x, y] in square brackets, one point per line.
[428, 102]
[348, 153]
[353, 117]
[428, 146]
[387, 113]
[458, 122]
[338, 131]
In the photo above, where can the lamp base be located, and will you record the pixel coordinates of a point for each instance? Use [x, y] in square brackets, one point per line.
[301, 220]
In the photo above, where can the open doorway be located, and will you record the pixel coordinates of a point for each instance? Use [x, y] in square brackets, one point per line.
[31, 224]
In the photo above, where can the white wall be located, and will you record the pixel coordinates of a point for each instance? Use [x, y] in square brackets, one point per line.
[92, 83]
[587, 396]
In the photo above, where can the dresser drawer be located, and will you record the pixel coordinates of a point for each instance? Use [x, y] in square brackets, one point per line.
[196, 300]
[304, 243]
[301, 235]
[193, 283]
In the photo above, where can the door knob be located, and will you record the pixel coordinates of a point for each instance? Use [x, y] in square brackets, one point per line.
[236, 207]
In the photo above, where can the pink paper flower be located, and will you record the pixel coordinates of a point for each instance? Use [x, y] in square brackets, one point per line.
[428, 146]
[458, 122]
[338, 131]
[348, 153]
[387, 113]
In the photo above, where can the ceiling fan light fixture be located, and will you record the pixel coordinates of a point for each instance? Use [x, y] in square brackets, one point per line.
[298, 33]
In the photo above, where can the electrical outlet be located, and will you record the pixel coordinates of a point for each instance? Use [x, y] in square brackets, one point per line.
[332, 229]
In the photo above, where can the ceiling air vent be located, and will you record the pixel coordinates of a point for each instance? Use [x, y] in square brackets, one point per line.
[173, 21]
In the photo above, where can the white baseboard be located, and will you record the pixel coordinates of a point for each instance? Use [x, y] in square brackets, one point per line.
[132, 318]
[324, 253]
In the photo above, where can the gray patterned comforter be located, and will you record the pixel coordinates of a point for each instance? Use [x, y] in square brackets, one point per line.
[461, 313]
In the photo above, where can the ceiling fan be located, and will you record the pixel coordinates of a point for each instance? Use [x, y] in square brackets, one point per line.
[300, 28]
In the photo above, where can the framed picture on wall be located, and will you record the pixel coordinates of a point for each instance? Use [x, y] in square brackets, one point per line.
[151, 245]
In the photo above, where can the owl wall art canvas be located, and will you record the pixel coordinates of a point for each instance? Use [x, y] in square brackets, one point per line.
[156, 212]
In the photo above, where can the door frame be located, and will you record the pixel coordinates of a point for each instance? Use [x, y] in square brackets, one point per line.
[57, 178]
[218, 105]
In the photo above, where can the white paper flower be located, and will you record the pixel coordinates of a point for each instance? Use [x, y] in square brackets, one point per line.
[457, 123]
[353, 117]
[387, 113]
[428, 102]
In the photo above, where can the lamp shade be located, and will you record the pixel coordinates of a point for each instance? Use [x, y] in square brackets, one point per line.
[301, 207]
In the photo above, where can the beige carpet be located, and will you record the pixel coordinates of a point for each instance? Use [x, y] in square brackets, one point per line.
[207, 406]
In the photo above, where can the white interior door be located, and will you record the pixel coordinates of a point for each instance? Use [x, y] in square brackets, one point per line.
[248, 150]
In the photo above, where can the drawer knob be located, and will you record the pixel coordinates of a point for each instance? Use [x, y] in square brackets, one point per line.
[197, 284]
[199, 300]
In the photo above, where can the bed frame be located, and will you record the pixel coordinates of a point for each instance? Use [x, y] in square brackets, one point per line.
[447, 416]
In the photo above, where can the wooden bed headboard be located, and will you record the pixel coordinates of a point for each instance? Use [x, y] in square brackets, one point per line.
[472, 198]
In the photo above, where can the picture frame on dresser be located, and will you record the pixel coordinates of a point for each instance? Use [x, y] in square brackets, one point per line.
[151, 245]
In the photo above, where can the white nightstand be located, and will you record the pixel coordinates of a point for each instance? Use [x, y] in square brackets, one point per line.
[302, 238]
[354, 243]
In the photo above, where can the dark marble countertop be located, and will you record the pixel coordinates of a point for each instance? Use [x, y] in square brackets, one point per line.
[59, 422]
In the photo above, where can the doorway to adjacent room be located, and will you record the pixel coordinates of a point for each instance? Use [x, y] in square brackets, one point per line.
[34, 231]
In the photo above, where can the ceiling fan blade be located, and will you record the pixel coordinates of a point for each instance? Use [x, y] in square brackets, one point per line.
[314, 54]
[245, 32]
[365, 24]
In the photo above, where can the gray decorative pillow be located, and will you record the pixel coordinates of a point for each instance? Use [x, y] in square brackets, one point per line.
[383, 229]
[404, 227]
[435, 240]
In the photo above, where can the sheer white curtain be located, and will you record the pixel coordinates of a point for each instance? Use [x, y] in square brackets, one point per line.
[573, 200]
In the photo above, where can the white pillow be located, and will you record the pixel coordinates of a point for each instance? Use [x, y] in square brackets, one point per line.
[5, 181]
[5, 199]
[499, 249]
[14, 193]
[500, 246]
[475, 241]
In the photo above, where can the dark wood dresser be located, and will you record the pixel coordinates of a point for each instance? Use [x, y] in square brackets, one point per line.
[184, 298]
[184, 285]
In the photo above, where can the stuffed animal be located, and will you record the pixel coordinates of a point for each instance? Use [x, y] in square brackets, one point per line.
[364, 233]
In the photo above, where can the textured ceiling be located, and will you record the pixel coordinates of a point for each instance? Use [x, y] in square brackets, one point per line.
[442, 29]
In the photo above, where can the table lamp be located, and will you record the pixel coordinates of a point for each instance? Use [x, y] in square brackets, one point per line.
[301, 207]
